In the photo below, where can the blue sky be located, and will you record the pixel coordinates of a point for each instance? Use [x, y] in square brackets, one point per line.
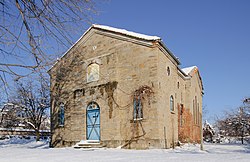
[212, 34]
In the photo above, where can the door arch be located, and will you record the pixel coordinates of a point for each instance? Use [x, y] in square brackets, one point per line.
[93, 121]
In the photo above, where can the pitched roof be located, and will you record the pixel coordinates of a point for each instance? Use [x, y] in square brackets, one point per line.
[187, 70]
[126, 33]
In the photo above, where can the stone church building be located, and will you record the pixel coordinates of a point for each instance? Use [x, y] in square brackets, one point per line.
[117, 88]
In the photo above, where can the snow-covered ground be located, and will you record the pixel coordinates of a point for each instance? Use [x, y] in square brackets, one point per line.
[17, 150]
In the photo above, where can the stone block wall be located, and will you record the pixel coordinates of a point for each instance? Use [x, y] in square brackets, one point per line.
[125, 65]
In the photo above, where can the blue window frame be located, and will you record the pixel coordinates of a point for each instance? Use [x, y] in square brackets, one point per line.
[171, 103]
[61, 115]
[138, 114]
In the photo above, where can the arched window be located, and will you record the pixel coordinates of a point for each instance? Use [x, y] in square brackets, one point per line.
[61, 115]
[138, 114]
[93, 106]
[93, 72]
[171, 103]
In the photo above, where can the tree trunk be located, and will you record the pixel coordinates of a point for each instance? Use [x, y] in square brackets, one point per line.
[242, 136]
[37, 135]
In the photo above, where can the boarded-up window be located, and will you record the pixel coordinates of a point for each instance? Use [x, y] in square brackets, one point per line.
[93, 72]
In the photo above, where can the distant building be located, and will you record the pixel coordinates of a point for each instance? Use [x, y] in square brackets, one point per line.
[125, 89]
[208, 132]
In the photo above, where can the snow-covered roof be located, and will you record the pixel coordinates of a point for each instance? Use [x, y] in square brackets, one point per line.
[208, 124]
[125, 32]
[187, 70]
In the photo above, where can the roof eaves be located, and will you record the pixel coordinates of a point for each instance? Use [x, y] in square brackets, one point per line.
[182, 72]
[170, 53]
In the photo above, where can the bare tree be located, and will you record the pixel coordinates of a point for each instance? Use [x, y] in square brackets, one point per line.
[9, 116]
[31, 31]
[235, 123]
[34, 101]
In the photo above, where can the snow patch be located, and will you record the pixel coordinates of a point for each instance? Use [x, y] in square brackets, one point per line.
[29, 151]
[188, 69]
[17, 142]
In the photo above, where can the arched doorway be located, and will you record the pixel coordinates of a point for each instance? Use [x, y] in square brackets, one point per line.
[93, 121]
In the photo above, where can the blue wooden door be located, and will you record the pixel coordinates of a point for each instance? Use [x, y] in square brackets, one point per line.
[93, 121]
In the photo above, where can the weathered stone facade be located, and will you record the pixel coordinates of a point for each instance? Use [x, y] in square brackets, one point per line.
[129, 65]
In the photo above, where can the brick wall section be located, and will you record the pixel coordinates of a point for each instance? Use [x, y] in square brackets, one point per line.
[187, 130]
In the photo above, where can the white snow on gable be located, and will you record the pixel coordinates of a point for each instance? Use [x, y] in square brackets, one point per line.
[125, 32]
[188, 69]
